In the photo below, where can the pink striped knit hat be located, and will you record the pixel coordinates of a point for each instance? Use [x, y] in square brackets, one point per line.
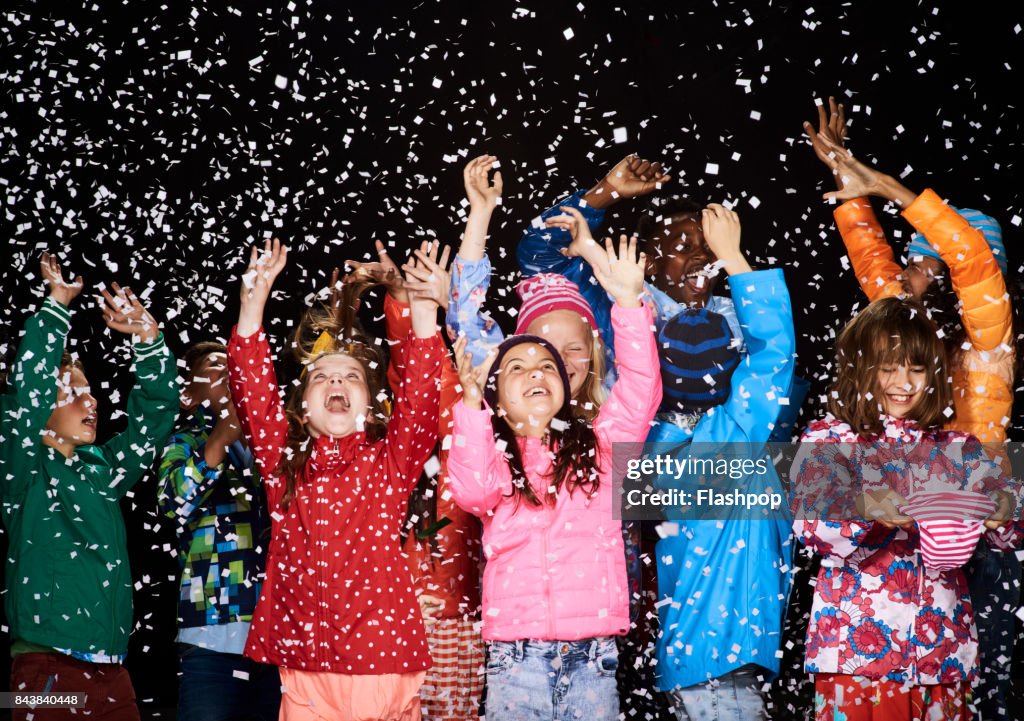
[546, 292]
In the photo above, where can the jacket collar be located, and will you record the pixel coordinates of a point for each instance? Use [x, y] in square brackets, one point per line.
[330, 453]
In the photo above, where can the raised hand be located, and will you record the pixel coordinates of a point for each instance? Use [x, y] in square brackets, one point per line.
[583, 243]
[423, 304]
[471, 379]
[721, 228]
[124, 313]
[384, 271]
[257, 282]
[832, 129]
[882, 506]
[632, 177]
[622, 274]
[482, 194]
[428, 278]
[60, 291]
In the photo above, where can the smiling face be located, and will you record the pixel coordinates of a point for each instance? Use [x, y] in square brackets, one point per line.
[207, 382]
[901, 387]
[530, 390]
[573, 338]
[73, 421]
[679, 254]
[336, 398]
[919, 275]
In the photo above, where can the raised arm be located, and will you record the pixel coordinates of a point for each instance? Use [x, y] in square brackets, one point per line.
[32, 383]
[412, 430]
[254, 388]
[153, 402]
[760, 382]
[634, 399]
[471, 270]
[473, 461]
[873, 262]
[976, 276]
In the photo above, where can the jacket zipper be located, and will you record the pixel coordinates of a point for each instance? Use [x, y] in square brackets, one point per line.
[323, 615]
[547, 578]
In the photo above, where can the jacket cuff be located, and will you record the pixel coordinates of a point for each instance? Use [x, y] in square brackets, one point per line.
[151, 349]
[58, 313]
[246, 342]
[852, 213]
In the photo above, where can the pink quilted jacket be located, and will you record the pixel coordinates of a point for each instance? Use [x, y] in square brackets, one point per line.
[557, 572]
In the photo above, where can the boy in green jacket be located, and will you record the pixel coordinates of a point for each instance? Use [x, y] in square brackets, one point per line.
[69, 588]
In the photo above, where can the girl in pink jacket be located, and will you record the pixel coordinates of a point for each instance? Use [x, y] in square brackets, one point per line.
[540, 478]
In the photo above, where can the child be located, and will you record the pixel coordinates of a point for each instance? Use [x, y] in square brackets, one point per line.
[956, 267]
[69, 586]
[709, 349]
[337, 612]
[209, 487]
[721, 618]
[553, 307]
[890, 636]
[554, 594]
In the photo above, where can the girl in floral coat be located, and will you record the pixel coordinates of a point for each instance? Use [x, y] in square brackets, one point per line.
[891, 635]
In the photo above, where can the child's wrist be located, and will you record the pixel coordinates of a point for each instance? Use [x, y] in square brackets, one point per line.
[600, 197]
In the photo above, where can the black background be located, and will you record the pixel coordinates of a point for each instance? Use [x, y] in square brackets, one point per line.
[142, 142]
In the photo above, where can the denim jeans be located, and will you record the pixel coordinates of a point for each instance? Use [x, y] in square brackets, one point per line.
[994, 581]
[552, 680]
[209, 690]
[736, 696]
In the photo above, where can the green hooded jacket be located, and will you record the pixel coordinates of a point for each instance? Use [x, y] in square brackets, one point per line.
[68, 584]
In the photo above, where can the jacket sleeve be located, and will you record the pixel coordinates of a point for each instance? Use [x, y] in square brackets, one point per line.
[398, 325]
[412, 430]
[473, 462]
[152, 411]
[185, 478]
[257, 399]
[872, 258]
[634, 399]
[765, 373]
[976, 277]
[824, 519]
[31, 393]
[465, 315]
[540, 249]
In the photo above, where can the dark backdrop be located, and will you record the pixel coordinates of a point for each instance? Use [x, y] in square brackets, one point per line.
[153, 143]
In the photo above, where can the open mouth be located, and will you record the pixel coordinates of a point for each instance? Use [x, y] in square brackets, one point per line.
[698, 277]
[536, 391]
[337, 403]
[90, 421]
[900, 398]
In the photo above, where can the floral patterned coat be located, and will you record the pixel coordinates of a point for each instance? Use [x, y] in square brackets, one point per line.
[878, 612]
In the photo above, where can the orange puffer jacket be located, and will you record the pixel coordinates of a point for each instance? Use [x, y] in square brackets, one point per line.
[983, 382]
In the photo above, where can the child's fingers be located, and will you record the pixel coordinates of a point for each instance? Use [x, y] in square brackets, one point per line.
[445, 257]
[498, 184]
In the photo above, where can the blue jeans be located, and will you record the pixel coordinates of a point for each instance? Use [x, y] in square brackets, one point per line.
[552, 680]
[736, 696]
[209, 690]
[994, 581]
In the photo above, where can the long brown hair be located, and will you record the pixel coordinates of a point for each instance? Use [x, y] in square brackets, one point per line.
[571, 439]
[889, 331]
[339, 324]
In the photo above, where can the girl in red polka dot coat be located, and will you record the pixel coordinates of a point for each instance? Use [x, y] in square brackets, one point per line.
[337, 611]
